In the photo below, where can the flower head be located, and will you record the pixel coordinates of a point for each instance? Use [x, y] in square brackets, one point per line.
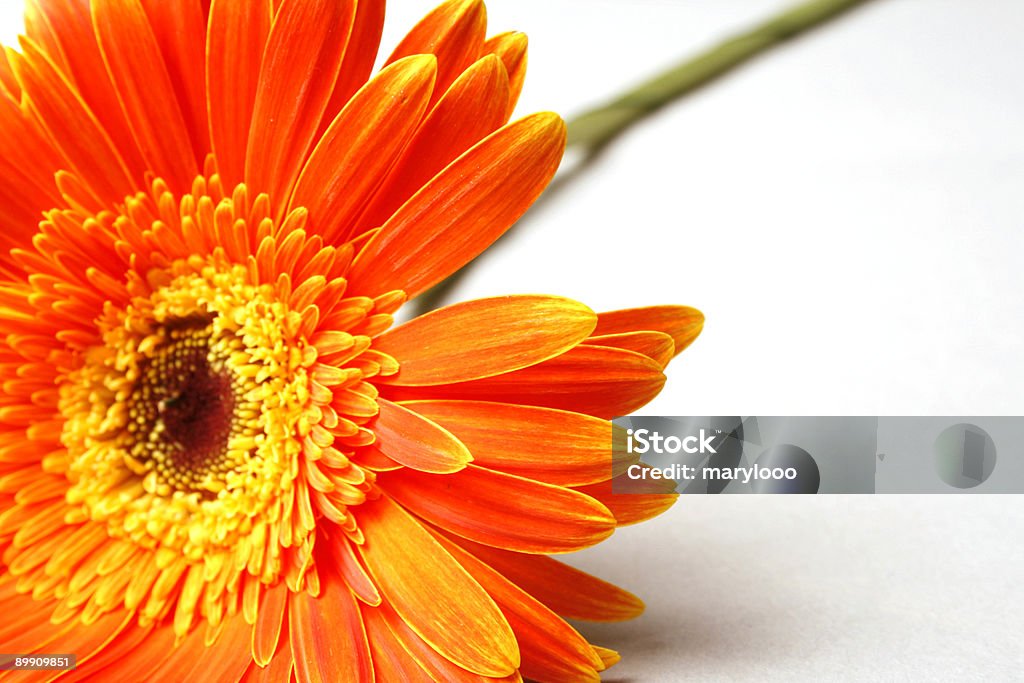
[216, 456]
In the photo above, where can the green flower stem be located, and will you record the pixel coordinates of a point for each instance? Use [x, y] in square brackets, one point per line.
[595, 128]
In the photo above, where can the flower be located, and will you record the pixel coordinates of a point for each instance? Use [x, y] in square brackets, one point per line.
[217, 457]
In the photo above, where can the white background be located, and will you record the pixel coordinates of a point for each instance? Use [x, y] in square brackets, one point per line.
[848, 213]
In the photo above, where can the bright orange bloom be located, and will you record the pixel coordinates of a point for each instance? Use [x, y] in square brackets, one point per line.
[217, 462]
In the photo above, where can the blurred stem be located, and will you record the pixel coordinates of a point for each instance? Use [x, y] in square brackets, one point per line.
[592, 130]
[597, 127]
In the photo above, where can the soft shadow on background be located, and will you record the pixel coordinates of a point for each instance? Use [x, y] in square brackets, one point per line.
[795, 588]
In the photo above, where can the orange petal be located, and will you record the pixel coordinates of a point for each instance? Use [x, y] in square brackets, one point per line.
[144, 88]
[180, 30]
[72, 24]
[8, 83]
[360, 54]
[454, 32]
[280, 669]
[25, 630]
[636, 500]
[129, 641]
[682, 323]
[28, 188]
[267, 629]
[565, 590]
[595, 380]
[139, 663]
[462, 210]
[608, 657]
[485, 337]
[234, 51]
[414, 441]
[547, 445]
[502, 510]
[362, 143]
[327, 634]
[473, 108]
[391, 660]
[369, 457]
[433, 593]
[657, 346]
[390, 630]
[87, 642]
[339, 552]
[551, 649]
[40, 30]
[71, 126]
[511, 49]
[308, 38]
[18, 223]
[192, 660]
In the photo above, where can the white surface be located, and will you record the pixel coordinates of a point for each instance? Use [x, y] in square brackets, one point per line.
[848, 213]
[830, 588]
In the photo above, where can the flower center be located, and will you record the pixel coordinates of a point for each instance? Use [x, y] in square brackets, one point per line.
[186, 425]
[214, 405]
[183, 410]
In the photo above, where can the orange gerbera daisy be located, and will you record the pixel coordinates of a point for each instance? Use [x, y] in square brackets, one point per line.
[217, 461]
